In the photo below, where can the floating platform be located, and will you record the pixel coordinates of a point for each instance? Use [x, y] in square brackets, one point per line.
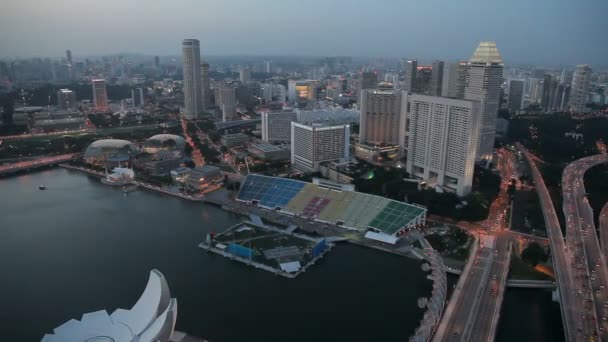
[272, 249]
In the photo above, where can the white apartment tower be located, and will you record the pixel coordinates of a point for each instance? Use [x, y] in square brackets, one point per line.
[100, 95]
[483, 83]
[581, 80]
[206, 85]
[383, 117]
[313, 144]
[276, 126]
[193, 94]
[443, 141]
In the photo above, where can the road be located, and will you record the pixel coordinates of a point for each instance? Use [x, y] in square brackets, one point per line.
[590, 274]
[569, 303]
[492, 294]
[604, 229]
[32, 164]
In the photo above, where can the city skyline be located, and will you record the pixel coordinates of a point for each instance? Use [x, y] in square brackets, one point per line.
[436, 36]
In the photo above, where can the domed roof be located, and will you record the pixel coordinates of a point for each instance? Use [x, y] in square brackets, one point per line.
[164, 142]
[111, 149]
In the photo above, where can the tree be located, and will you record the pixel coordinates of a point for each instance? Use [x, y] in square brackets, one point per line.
[534, 254]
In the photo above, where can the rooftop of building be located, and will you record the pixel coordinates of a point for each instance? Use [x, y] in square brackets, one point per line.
[487, 53]
[267, 147]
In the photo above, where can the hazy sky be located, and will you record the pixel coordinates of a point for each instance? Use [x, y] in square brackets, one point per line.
[534, 31]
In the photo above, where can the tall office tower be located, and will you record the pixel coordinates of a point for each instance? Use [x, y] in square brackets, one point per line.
[227, 102]
[454, 76]
[550, 89]
[66, 99]
[276, 126]
[156, 62]
[100, 96]
[268, 66]
[581, 81]
[516, 96]
[422, 84]
[443, 141]
[383, 117]
[313, 144]
[483, 84]
[68, 56]
[410, 66]
[302, 91]
[193, 94]
[245, 75]
[566, 77]
[534, 90]
[205, 85]
[137, 97]
[274, 92]
[437, 78]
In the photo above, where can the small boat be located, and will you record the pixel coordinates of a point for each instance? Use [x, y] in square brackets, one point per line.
[42, 187]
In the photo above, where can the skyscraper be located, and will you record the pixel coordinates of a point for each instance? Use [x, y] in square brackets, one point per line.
[205, 85]
[437, 78]
[156, 62]
[383, 117]
[443, 141]
[226, 100]
[483, 83]
[268, 66]
[581, 80]
[66, 99]
[137, 97]
[454, 77]
[100, 96]
[245, 75]
[193, 95]
[411, 66]
[516, 96]
[368, 80]
[314, 144]
[276, 126]
[68, 56]
[550, 89]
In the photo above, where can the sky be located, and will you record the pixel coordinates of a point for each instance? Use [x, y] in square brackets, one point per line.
[550, 32]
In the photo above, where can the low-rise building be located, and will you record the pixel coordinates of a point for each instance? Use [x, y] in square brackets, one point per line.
[201, 176]
[270, 152]
[376, 154]
[236, 139]
[162, 167]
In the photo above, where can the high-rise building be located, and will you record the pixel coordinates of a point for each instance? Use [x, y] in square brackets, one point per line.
[226, 100]
[581, 81]
[443, 141]
[483, 84]
[100, 96]
[383, 117]
[193, 94]
[410, 66]
[66, 99]
[245, 75]
[551, 89]
[437, 78]
[274, 92]
[534, 90]
[516, 96]
[422, 84]
[137, 97]
[302, 91]
[206, 85]
[156, 62]
[268, 66]
[68, 56]
[276, 126]
[313, 144]
[454, 76]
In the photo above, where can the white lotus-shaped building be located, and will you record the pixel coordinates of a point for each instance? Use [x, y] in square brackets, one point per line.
[151, 319]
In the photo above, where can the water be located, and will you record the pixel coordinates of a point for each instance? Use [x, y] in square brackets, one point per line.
[81, 246]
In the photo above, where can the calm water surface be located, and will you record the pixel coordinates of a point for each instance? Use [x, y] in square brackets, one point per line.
[81, 246]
